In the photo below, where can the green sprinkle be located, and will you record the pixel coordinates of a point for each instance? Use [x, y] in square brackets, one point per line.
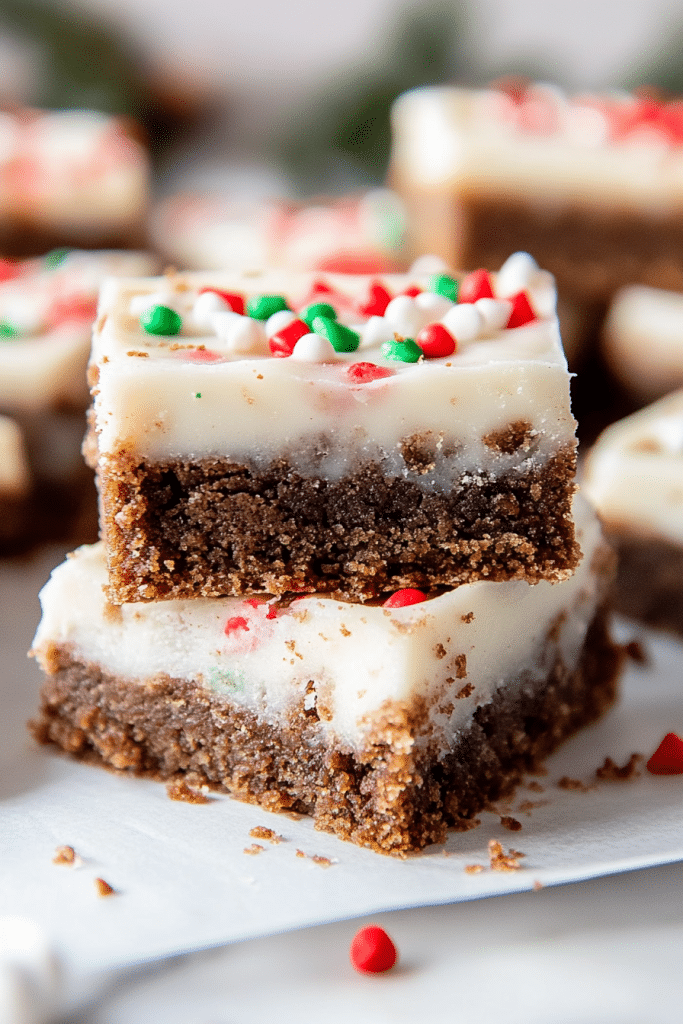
[260, 307]
[197, 394]
[402, 350]
[442, 284]
[55, 257]
[341, 338]
[7, 331]
[221, 680]
[309, 313]
[161, 320]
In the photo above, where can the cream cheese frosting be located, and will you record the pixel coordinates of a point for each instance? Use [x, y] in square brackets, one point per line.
[215, 388]
[634, 472]
[616, 151]
[349, 659]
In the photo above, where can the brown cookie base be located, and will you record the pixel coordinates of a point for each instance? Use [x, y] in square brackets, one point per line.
[394, 796]
[649, 582]
[212, 528]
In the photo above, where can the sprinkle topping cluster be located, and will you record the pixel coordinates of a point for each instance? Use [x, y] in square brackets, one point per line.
[418, 323]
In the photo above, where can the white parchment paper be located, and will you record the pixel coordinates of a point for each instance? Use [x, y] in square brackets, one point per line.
[181, 876]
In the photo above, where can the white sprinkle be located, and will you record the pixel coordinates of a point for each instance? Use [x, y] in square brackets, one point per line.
[433, 304]
[464, 321]
[405, 317]
[240, 333]
[375, 332]
[206, 305]
[515, 274]
[428, 264]
[313, 348]
[278, 321]
[495, 313]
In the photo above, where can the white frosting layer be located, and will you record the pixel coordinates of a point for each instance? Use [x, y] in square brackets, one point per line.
[356, 656]
[643, 340]
[470, 141]
[634, 472]
[157, 401]
[44, 363]
[14, 470]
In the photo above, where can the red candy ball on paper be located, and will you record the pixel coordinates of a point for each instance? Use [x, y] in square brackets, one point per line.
[402, 598]
[668, 757]
[372, 951]
[476, 285]
[436, 341]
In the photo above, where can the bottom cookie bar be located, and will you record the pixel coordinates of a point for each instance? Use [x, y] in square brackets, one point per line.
[387, 724]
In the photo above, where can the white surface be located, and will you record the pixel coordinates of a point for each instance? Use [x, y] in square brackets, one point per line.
[183, 881]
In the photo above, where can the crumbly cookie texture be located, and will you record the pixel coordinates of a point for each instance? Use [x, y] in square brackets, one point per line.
[351, 435]
[387, 723]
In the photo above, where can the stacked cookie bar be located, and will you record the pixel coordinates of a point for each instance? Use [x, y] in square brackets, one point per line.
[342, 568]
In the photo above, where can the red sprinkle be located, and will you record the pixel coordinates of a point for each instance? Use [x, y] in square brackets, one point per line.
[476, 285]
[199, 355]
[372, 951]
[73, 307]
[668, 757]
[402, 598]
[235, 301]
[252, 602]
[282, 344]
[236, 622]
[272, 611]
[412, 291]
[435, 340]
[377, 301]
[521, 312]
[364, 373]
[9, 269]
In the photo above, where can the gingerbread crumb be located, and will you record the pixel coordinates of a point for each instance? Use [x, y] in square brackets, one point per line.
[254, 849]
[140, 355]
[610, 770]
[500, 861]
[323, 862]
[465, 824]
[179, 790]
[510, 823]
[537, 886]
[473, 869]
[636, 652]
[64, 855]
[300, 853]
[468, 618]
[527, 806]
[572, 784]
[104, 888]
[465, 691]
[535, 787]
[261, 832]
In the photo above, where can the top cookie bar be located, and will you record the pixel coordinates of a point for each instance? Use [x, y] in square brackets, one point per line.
[280, 432]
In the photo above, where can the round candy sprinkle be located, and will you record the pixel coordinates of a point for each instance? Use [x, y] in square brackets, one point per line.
[278, 321]
[522, 313]
[402, 598]
[7, 330]
[377, 301]
[412, 291]
[476, 285]
[205, 305]
[444, 284]
[402, 350]
[261, 307]
[9, 269]
[342, 338]
[310, 312]
[405, 316]
[372, 951]
[161, 320]
[231, 299]
[365, 373]
[313, 348]
[464, 321]
[515, 274]
[435, 341]
[495, 313]
[282, 342]
[668, 757]
[55, 257]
